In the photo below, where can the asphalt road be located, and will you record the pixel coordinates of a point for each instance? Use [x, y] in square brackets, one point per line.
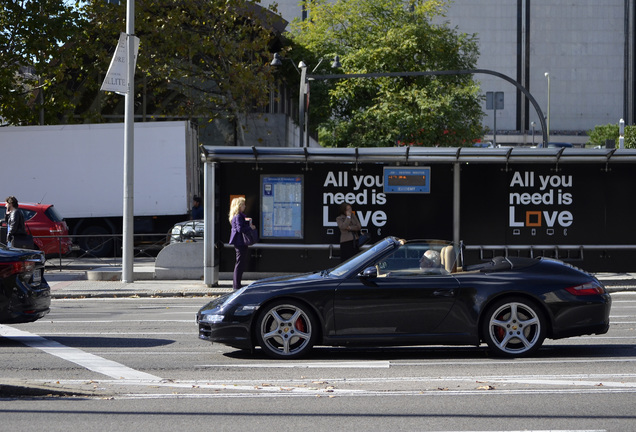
[136, 364]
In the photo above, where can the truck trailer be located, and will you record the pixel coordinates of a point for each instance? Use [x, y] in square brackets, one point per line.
[80, 169]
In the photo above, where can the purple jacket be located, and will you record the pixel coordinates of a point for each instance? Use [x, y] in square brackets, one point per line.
[239, 226]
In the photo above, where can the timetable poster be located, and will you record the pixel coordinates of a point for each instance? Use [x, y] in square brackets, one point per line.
[281, 206]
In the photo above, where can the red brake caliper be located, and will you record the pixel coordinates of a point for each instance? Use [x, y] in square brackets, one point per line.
[500, 331]
[300, 325]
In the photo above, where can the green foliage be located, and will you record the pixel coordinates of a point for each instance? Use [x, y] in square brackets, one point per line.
[38, 40]
[373, 36]
[630, 137]
[197, 58]
[601, 133]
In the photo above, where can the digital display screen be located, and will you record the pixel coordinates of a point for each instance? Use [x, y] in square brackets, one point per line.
[407, 180]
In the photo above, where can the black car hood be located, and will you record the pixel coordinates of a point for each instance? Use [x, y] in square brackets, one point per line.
[304, 277]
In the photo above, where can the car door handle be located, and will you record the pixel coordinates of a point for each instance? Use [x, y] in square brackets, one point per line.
[444, 292]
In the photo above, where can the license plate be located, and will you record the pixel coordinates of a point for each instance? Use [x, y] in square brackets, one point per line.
[37, 277]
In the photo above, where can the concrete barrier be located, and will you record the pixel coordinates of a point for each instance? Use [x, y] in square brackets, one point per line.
[179, 261]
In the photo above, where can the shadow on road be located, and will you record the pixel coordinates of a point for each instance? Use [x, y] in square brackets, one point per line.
[445, 353]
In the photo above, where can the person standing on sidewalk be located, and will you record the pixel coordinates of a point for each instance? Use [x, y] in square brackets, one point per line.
[240, 224]
[349, 232]
[16, 230]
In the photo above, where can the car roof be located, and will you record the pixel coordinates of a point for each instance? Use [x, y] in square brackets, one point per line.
[29, 204]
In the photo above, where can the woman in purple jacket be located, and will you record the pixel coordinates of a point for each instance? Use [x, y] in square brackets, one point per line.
[240, 225]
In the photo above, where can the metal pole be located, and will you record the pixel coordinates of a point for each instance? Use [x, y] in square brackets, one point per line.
[548, 126]
[533, 126]
[621, 134]
[302, 102]
[210, 276]
[127, 275]
[494, 135]
[456, 202]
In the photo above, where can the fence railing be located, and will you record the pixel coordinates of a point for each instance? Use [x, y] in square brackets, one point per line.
[146, 246]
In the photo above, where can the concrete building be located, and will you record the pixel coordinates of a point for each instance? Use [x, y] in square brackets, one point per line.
[586, 47]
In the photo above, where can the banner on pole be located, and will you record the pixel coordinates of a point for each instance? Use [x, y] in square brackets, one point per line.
[117, 77]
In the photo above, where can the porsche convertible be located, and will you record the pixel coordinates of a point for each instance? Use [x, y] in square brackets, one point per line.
[418, 292]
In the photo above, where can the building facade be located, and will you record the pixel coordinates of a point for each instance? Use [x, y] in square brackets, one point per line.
[585, 47]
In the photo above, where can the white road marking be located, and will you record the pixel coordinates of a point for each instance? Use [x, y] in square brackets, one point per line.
[330, 365]
[604, 337]
[582, 380]
[190, 321]
[359, 393]
[77, 356]
[517, 362]
[114, 333]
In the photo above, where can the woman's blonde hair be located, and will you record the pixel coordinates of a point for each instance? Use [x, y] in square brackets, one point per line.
[234, 207]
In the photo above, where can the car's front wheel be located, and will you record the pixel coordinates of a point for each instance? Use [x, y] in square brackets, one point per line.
[514, 327]
[286, 330]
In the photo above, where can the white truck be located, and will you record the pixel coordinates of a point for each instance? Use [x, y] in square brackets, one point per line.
[80, 169]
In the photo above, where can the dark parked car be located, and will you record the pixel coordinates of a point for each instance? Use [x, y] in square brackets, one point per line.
[24, 294]
[401, 292]
[187, 231]
[45, 224]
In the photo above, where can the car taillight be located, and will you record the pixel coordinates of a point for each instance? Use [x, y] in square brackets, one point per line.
[17, 267]
[589, 288]
[58, 229]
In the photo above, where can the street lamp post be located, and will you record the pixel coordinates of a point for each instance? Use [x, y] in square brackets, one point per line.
[302, 93]
[277, 61]
[302, 101]
[533, 124]
[547, 75]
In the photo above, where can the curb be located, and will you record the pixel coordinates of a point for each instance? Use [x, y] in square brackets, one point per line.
[23, 388]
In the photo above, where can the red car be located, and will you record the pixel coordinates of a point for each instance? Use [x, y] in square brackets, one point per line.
[43, 222]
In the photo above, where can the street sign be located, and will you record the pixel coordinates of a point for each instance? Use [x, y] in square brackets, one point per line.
[117, 77]
[494, 100]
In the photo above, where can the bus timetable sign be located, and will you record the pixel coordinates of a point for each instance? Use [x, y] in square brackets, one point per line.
[407, 180]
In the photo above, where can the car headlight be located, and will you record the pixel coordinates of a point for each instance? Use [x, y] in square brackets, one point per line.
[212, 318]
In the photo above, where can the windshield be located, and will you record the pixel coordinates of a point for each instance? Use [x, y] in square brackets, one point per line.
[419, 257]
[52, 213]
[393, 256]
[364, 258]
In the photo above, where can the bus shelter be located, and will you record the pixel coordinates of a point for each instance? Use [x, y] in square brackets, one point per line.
[573, 204]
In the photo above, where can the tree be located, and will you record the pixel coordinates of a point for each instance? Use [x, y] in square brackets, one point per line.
[35, 36]
[197, 59]
[391, 36]
[602, 133]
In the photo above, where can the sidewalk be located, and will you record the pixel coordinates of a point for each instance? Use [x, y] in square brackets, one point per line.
[93, 279]
[82, 284]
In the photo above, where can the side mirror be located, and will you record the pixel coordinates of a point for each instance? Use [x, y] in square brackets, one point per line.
[370, 272]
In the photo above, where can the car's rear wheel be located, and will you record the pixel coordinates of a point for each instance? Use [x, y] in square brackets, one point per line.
[514, 327]
[286, 330]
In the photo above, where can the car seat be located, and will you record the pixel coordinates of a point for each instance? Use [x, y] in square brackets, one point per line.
[449, 259]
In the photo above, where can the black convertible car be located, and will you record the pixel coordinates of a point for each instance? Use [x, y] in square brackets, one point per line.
[24, 294]
[419, 292]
